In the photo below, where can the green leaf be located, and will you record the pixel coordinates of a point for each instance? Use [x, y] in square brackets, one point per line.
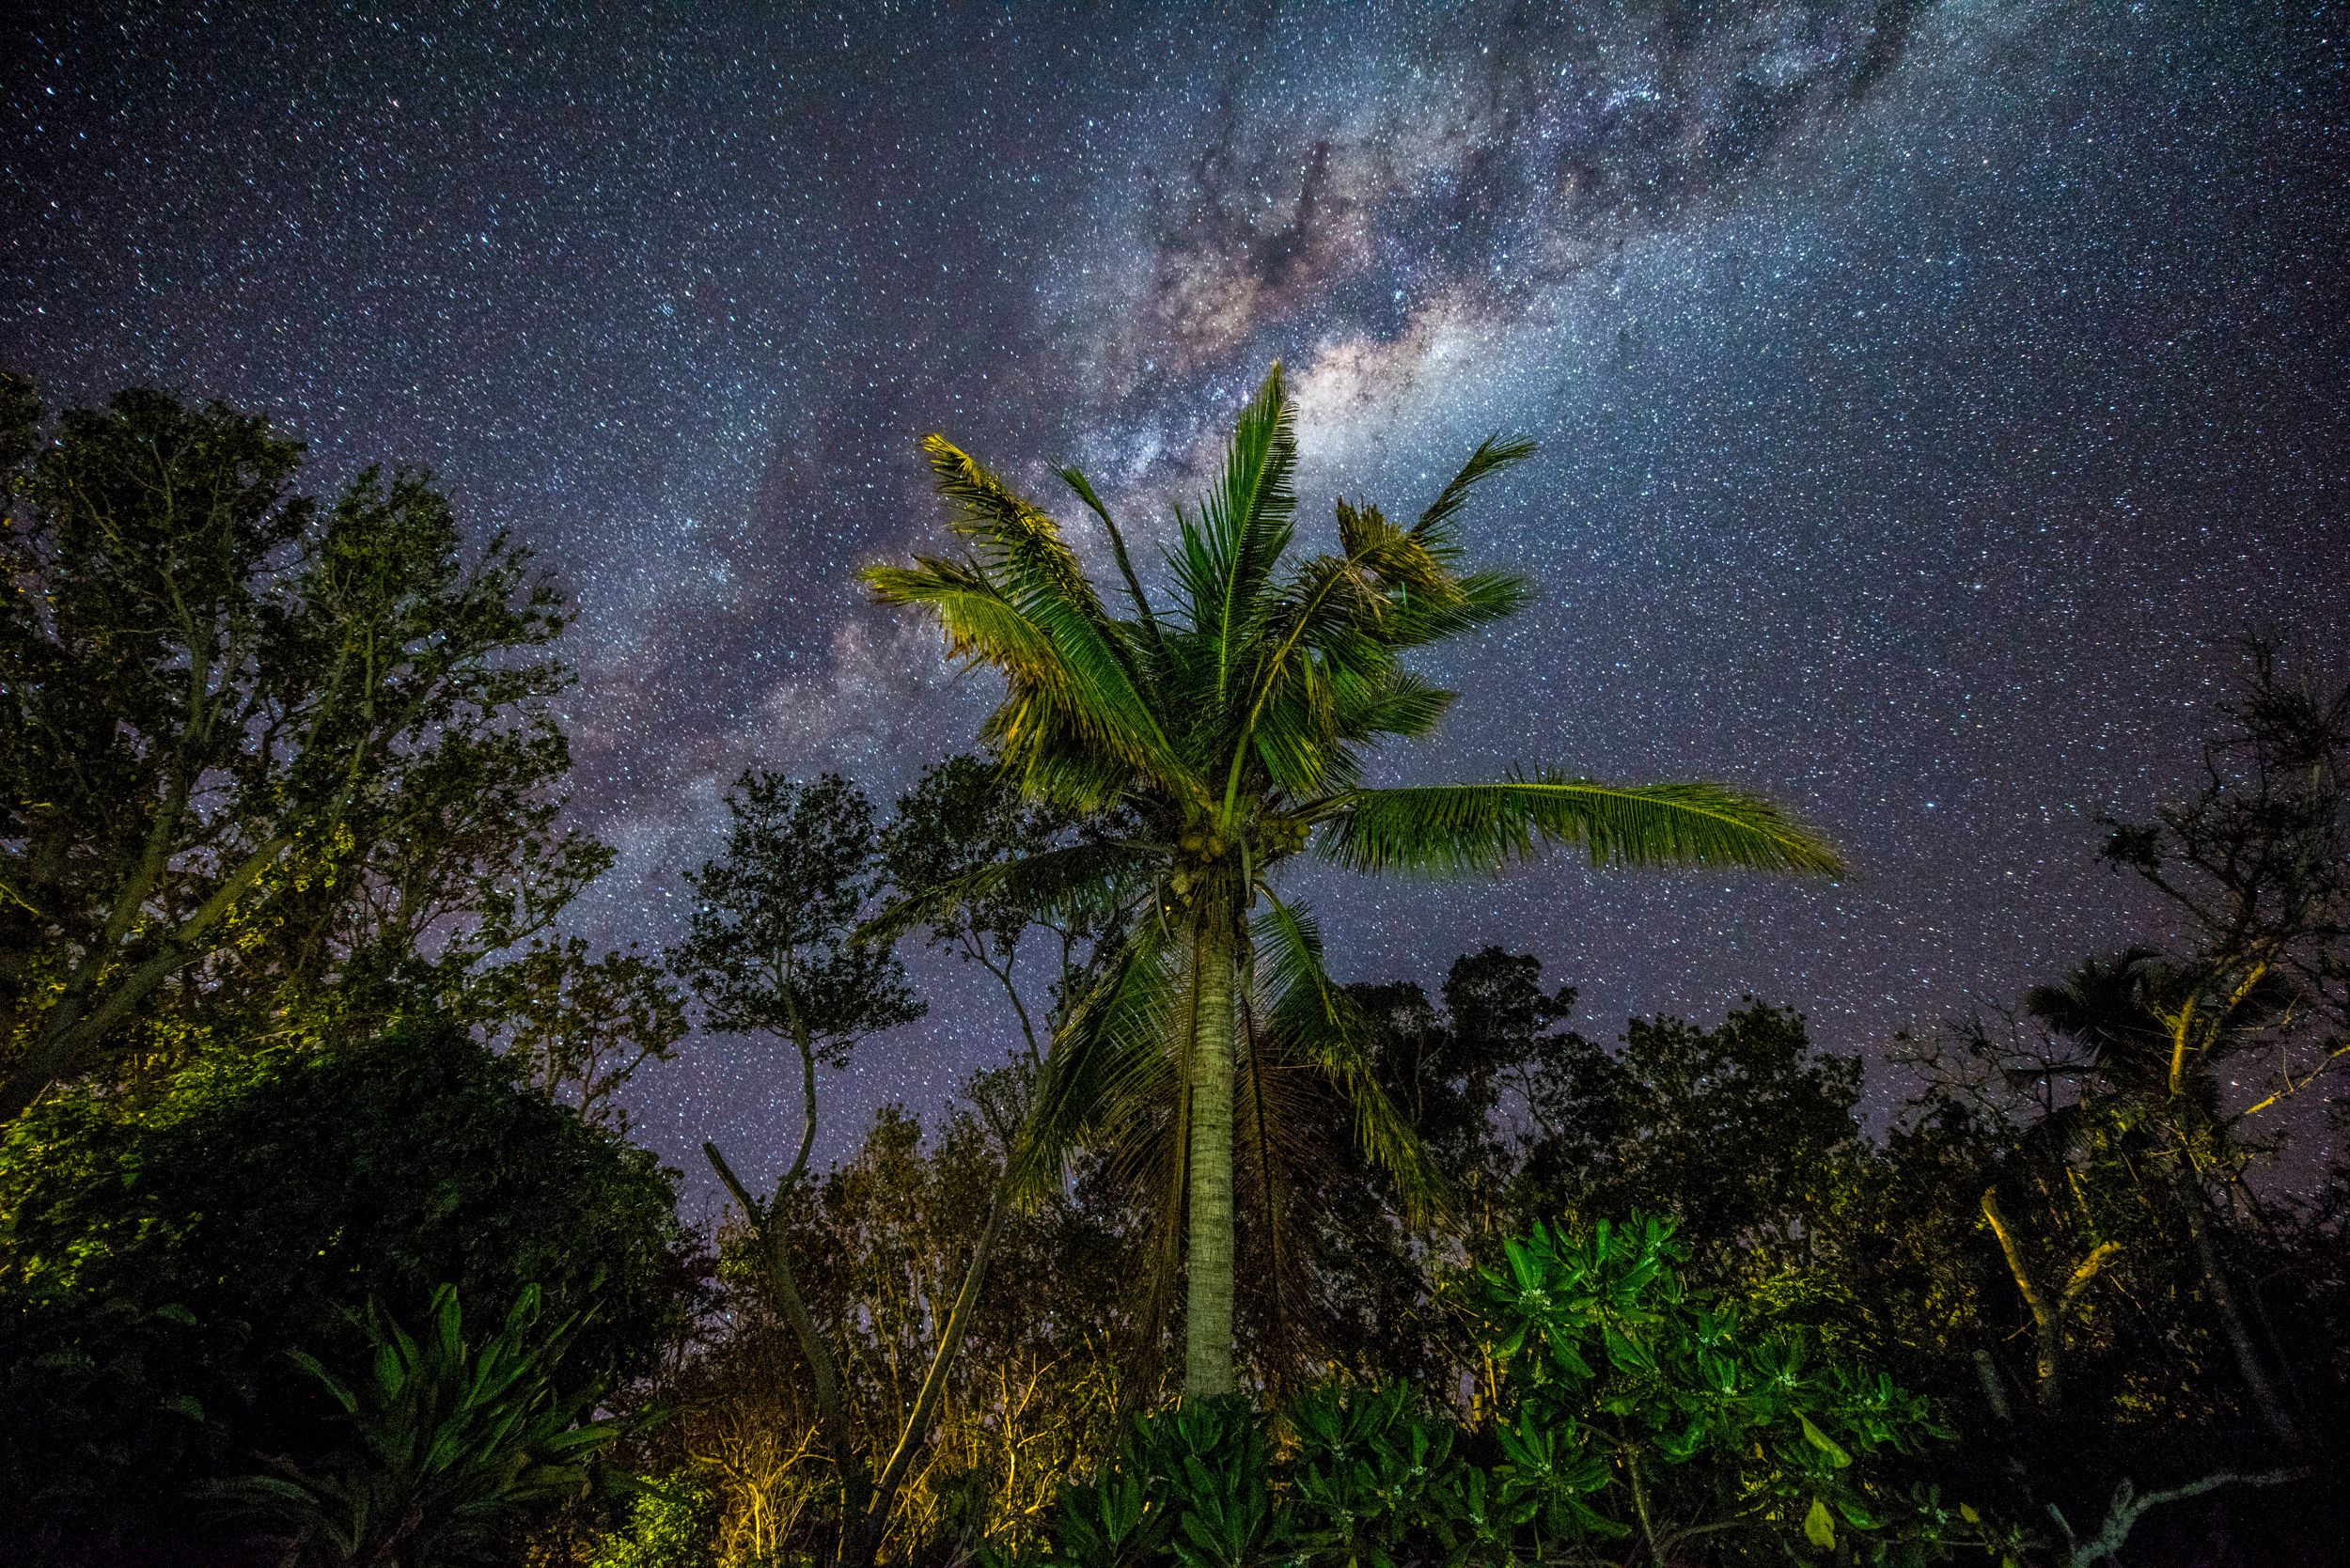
[1821, 1441]
[1819, 1527]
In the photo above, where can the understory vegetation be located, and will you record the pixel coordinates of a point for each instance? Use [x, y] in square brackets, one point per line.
[325, 1237]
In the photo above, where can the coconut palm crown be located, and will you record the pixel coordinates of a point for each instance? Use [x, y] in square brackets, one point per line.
[1230, 730]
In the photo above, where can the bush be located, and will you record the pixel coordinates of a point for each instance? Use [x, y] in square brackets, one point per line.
[156, 1268]
[1625, 1417]
[673, 1526]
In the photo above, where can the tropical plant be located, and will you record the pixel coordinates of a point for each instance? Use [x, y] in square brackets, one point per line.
[1623, 1417]
[1235, 730]
[1192, 1482]
[450, 1445]
[1629, 1405]
[1369, 1471]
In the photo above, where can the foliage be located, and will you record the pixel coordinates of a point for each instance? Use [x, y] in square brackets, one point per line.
[1732, 1131]
[281, 822]
[447, 1448]
[2256, 860]
[883, 1244]
[952, 848]
[669, 1527]
[577, 1028]
[1630, 1406]
[155, 1262]
[768, 951]
[255, 751]
[1629, 1413]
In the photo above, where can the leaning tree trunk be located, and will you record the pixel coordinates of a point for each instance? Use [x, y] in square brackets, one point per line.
[2266, 1399]
[1209, 1283]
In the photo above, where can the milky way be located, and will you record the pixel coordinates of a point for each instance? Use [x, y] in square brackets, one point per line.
[1927, 394]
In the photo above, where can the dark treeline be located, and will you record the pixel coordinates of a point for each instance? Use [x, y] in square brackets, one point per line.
[322, 1238]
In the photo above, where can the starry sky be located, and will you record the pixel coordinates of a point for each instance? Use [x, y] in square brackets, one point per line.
[1927, 394]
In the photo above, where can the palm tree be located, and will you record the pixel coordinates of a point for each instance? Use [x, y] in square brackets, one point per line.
[1234, 729]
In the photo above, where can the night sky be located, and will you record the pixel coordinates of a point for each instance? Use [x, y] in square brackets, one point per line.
[1927, 395]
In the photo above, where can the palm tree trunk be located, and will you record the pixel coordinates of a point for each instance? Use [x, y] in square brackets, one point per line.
[1209, 1283]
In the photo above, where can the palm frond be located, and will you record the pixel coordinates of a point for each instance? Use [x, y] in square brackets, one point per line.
[1493, 455]
[1311, 1016]
[979, 623]
[1400, 704]
[1108, 1056]
[1480, 599]
[1013, 542]
[1449, 829]
[1228, 551]
[1055, 757]
[1077, 481]
[1069, 670]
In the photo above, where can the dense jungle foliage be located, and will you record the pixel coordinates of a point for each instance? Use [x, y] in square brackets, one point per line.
[324, 1238]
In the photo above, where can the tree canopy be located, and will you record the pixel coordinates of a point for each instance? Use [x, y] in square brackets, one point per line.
[256, 748]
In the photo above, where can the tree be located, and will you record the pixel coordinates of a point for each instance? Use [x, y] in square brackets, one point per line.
[243, 730]
[578, 1028]
[1236, 730]
[2258, 863]
[1734, 1132]
[157, 1262]
[886, 1256]
[771, 950]
[882, 1243]
[774, 949]
[2145, 1053]
[962, 824]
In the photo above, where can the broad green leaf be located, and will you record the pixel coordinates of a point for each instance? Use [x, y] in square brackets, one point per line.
[1821, 1441]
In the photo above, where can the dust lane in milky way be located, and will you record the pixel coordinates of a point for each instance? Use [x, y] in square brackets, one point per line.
[1927, 392]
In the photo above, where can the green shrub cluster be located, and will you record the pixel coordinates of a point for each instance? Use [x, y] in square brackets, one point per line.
[156, 1268]
[1624, 1417]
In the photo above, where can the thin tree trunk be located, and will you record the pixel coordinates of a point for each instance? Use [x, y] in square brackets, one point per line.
[2048, 1326]
[917, 1430]
[2267, 1401]
[832, 1415]
[1208, 1306]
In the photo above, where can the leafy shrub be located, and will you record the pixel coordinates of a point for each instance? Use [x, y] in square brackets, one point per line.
[671, 1526]
[1625, 1417]
[156, 1267]
[1631, 1406]
[446, 1447]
